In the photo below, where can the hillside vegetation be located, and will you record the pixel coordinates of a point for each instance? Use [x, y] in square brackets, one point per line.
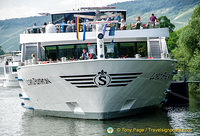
[184, 45]
[11, 29]
[178, 11]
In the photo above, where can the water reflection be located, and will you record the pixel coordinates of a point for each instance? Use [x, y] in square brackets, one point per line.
[186, 117]
[43, 125]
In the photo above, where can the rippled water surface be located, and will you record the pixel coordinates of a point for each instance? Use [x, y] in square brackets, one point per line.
[16, 121]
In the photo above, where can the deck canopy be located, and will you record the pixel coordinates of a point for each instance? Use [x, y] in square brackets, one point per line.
[58, 17]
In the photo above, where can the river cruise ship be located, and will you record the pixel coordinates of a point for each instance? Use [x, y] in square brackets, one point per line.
[10, 65]
[122, 71]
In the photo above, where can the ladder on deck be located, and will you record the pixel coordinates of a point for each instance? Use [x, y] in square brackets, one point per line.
[157, 47]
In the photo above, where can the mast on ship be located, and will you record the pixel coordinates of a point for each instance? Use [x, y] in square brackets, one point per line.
[99, 21]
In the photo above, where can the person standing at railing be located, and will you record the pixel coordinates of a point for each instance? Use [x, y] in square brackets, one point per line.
[157, 23]
[73, 25]
[138, 24]
[63, 26]
[152, 19]
[123, 25]
[44, 27]
[69, 26]
[34, 30]
[50, 28]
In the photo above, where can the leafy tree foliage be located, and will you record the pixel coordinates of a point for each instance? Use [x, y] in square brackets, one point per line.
[188, 49]
[165, 22]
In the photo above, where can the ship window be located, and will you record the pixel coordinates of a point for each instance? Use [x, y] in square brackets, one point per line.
[111, 50]
[69, 51]
[66, 51]
[129, 50]
[142, 49]
[57, 18]
[126, 50]
[50, 52]
[91, 49]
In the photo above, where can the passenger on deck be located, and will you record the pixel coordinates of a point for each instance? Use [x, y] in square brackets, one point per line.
[88, 26]
[123, 25]
[73, 25]
[50, 28]
[50, 60]
[69, 26]
[34, 30]
[57, 60]
[44, 27]
[63, 26]
[157, 23]
[85, 55]
[138, 22]
[152, 19]
[33, 59]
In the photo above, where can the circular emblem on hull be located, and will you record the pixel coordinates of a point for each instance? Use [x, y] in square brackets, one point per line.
[102, 79]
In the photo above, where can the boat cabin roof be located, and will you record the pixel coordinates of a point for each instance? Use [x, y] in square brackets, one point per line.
[59, 16]
[83, 11]
[88, 9]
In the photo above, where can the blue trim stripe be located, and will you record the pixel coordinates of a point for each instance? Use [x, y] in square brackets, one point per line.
[25, 98]
[23, 105]
[20, 79]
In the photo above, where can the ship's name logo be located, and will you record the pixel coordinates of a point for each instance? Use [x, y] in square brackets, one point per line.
[102, 79]
[40, 81]
[160, 76]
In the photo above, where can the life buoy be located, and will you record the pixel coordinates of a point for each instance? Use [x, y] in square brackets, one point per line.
[45, 62]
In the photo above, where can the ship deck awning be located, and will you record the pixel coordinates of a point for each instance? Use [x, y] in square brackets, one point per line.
[47, 39]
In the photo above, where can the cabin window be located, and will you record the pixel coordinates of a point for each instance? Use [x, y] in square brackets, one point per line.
[57, 18]
[125, 50]
[142, 49]
[69, 51]
[112, 50]
[66, 51]
[50, 52]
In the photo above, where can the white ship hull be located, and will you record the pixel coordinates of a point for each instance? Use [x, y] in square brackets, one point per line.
[96, 89]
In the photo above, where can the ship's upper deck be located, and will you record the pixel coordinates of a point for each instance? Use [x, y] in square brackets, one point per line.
[70, 37]
[64, 33]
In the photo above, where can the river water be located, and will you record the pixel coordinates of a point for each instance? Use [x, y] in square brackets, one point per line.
[17, 121]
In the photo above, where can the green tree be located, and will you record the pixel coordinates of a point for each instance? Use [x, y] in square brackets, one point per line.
[188, 49]
[172, 41]
[165, 22]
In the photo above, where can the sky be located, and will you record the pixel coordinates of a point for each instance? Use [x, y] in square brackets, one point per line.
[25, 8]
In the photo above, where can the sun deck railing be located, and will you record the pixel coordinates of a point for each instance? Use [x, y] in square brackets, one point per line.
[67, 28]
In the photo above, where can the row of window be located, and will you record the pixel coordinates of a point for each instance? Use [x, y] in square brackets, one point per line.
[112, 50]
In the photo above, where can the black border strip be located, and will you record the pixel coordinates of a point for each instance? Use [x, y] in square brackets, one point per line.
[77, 76]
[123, 77]
[124, 81]
[91, 86]
[79, 79]
[117, 85]
[75, 83]
[125, 74]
